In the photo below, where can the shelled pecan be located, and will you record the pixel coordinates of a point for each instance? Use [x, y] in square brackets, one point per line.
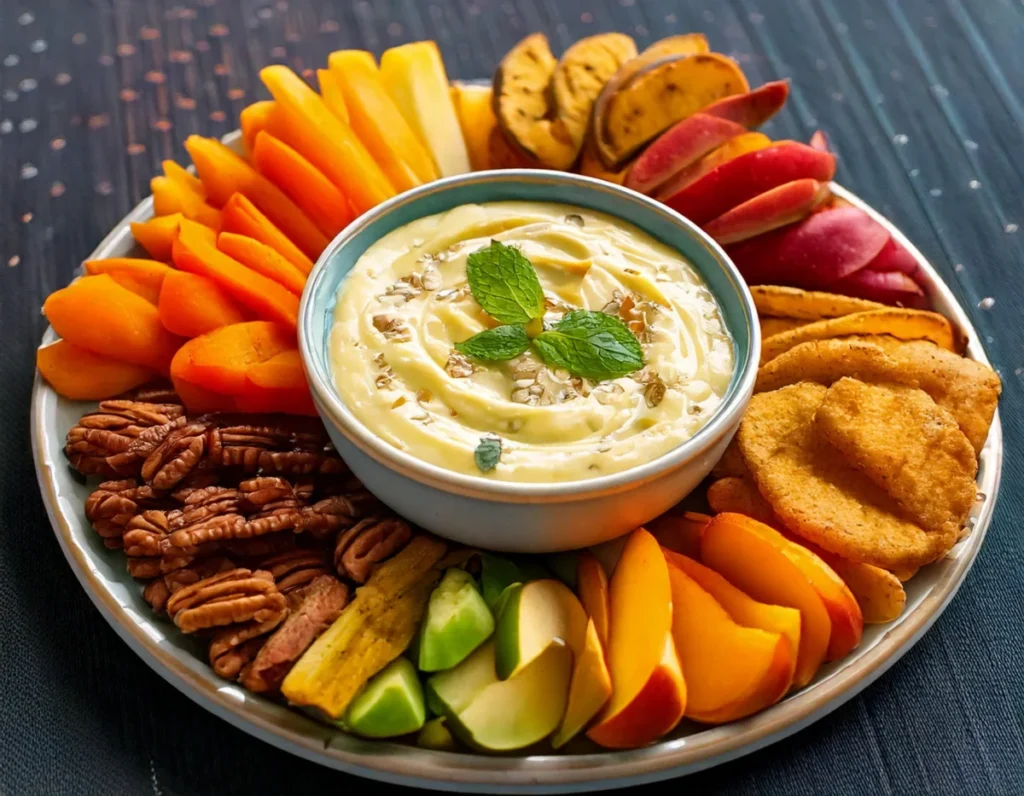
[328, 516]
[147, 544]
[260, 547]
[296, 569]
[177, 455]
[276, 444]
[199, 505]
[155, 392]
[113, 504]
[275, 504]
[366, 543]
[322, 602]
[158, 591]
[233, 597]
[110, 431]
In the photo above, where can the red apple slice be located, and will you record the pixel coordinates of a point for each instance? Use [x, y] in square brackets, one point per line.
[894, 257]
[753, 108]
[741, 179]
[815, 253]
[776, 208]
[887, 287]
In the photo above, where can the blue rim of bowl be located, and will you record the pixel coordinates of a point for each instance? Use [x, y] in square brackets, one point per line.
[313, 348]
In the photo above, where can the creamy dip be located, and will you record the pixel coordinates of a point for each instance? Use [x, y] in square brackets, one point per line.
[406, 302]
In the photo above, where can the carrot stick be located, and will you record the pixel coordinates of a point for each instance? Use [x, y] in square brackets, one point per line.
[81, 375]
[220, 360]
[331, 92]
[157, 235]
[97, 314]
[181, 175]
[253, 119]
[191, 305]
[224, 173]
[306, 186]
[171, 197]
[303, 121]
[262, 259]
[265, 297]
[241, 216]
[378, 122]
[142, 277]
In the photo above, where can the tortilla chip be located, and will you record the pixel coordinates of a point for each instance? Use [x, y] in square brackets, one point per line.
[907, 445]
[740, 496]
[901, 323]
[792, 302]
[818, 495]
[731, 463]
[770, 326]
[827, 361]
[968, 389]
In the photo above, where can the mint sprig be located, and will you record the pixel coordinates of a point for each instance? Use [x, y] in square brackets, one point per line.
[487, 453]
[504, 283]
[592, 345]
[495, 345]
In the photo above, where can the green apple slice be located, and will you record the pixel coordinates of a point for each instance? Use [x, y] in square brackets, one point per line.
[435, 735]
[589, 690]
[453, 690]
[506, 714]
[457, 622]
[390, 705]
[535, 615]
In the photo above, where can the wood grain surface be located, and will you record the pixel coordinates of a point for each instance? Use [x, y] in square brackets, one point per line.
[922, 100]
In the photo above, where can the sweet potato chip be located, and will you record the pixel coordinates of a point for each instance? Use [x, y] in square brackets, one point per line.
[775, 301]
[907, 445]
[900, 323]
[818, 495]
[771, 326]
[827, 361]
[731, 463]
[740, 496]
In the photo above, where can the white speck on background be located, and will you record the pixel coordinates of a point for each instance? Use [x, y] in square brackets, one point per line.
[27, 125]
[837, 96]
[971, 145]
[28, 171]
[10, 95]
[1018, 372]
[28, 84]
[900, 139]
[26, 19]
[12, 60]
[38, 46]
[914, 172]
[987, 303]
[936, 192]
[6, 126]
[940, 91]
[755, 17]
[958, 267]
[1009, 229]
[974, 185]
[842, 28]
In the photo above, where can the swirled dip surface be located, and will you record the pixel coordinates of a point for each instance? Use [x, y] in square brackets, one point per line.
[406, 302]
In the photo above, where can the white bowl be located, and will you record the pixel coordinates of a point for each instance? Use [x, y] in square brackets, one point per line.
[526, 517]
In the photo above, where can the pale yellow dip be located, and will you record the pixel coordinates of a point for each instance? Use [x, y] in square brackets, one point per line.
[406, 302]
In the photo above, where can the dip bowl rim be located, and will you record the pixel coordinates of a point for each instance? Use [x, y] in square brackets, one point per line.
[333, 411]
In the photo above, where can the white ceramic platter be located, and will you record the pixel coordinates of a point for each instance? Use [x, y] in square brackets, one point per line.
[182, 663]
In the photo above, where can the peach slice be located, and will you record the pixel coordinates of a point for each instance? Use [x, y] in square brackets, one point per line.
[589, 689]
[648, 690]
[592, 585]
[818, 251]
[749, 175]
[760, 561]
[731, 671]
[678, 147]
[680, 532]
[776, 208]
[887, 287]
[731, 149]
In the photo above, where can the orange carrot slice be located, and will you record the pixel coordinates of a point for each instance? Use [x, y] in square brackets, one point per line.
[265, 297]
[191, 305]
[185, 177]
[81, 375]
[219, 360]
[142, 277]
[304, 122]
[253, 119]
[242, 216]
[157, 235]
[331, 92]
[378, 122]
[303, 183]
[97, 314]
[170, 196]
[224, 173]
[262, 259]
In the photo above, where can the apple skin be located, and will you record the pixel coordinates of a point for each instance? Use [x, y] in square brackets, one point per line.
[753, 108]
[886, 287]
[813, 254]
[776, 208]
[894, 257]
[741, 179]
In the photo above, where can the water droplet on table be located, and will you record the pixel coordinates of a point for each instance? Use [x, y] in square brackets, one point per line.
[900, 139]
[987, 303]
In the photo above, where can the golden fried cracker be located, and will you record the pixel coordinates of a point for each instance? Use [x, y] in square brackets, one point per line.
[827, 361]
[731, 463]
[901, 323]
[817, 494]
[811, 305]
[740, 496]
[770, 326]
[907, 445]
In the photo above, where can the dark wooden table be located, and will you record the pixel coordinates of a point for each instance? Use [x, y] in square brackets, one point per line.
[922, 100]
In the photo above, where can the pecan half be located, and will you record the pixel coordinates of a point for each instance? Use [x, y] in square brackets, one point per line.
[129, 461]
[200, 505]
[235, 596]
[220, 527]
[368, 542]
[322, 603]
[332, 514]
[176, 456]
[158, 591]
[228, 654]
[273, 444]
[154, 393]
[259, 547]
[295, 569]
[112, 505]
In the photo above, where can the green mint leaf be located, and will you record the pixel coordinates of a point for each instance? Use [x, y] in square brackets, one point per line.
[487, 453]
[495, 345]
[593, 345]
[504, 283]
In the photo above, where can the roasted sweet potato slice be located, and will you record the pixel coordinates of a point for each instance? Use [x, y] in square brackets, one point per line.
[659, 92]
[544, 105]
[220, 360]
